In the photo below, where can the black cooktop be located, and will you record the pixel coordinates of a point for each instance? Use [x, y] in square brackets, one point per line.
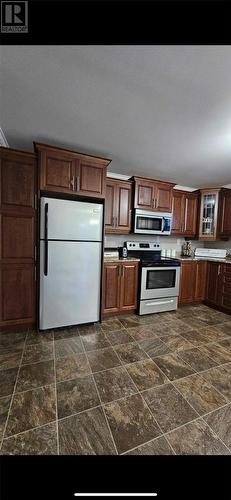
[160, 262]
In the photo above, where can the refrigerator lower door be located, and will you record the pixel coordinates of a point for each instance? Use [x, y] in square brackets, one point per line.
[71, 220]
[70, 292]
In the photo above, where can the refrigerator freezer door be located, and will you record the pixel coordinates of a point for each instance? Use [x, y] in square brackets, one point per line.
[71, 220]
[70, 293]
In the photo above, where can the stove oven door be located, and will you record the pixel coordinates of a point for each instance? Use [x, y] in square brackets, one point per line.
[157, 282]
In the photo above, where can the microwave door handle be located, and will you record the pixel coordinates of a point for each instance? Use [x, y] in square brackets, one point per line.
[163, 224]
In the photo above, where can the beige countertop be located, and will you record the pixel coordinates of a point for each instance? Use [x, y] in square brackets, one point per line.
[210, 259]
[120, 259]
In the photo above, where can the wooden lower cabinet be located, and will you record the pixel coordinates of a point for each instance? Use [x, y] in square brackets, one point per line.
[219, 286]
[213, 283]
[120, 287]
[192, 282]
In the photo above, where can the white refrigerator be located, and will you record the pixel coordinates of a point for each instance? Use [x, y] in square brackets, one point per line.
[70, 262]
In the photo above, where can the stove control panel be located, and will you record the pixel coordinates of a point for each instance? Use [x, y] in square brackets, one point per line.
[131, 245]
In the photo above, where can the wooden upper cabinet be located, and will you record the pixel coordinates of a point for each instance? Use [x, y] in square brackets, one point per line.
[178, 212]
[17, 238]
[17, 172]
[191, 214]
[64, 171]
[225, 223]
[153, 195]
[118, 206]
[185, 206]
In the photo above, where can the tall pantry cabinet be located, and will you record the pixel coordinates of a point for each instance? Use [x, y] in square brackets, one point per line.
[18, 238]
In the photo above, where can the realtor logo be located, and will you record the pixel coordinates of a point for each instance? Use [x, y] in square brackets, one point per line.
[14, 17]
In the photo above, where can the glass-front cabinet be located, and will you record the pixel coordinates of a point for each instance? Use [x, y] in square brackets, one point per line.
[209, 210]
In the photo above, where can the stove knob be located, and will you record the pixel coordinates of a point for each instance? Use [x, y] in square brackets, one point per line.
[134, 244]
[130, 244]
[154, 245]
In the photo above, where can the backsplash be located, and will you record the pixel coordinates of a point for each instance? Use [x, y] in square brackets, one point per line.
[117, 240]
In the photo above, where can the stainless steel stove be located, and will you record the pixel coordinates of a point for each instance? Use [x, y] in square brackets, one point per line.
[159, 277]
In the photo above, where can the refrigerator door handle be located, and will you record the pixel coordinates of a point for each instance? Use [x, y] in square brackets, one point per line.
[46, 241]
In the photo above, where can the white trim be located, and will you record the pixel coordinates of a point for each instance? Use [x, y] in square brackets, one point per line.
[118, 176]
[184, 188]
[3, 141]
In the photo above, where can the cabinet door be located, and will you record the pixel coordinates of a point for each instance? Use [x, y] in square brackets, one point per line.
[208, 215]
[17, 291]
[226, 215]
[187, 282]
[190, 220]
[123, 212]
[226, 287]
[57, 170]
[213, 273]
[178, 213]
[110, 208]
[128, 293]
[144, 194]
[90, 178]
[201, 277]
[111, 288]
[163, 197]
[17, 181]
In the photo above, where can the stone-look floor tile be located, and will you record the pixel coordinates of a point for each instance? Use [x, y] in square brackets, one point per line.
[225, 328]
[35, 375]
[195, 323]
[195, 337]
[103, 359]
[196, 359]
[7, 381]
[131, 422]
[114, 384]
[179, 327]
[154, 347]
[169, 408]
[130, 321]
[176, 342]
[208, 318]
[31, 409]
[217, 352]
[196, 438]
[4, 408]
[94, 341]
[89, 328]
[10, 359]
[119, 337]
[142, 332]
[40, 441]
[220, 378]
[67, 347]
[12, 340]
[220, 422]
[129, 353]
[158, 446]
[111, 324]
[73, 366]
[66, 333]
[223, 318]
[85, 434]
[76, 395]
[36, 337]
[226, 344]
[173, 366]
[164, 329]
[38, 352]
[212, 333]
[200, 394]
[146, 374]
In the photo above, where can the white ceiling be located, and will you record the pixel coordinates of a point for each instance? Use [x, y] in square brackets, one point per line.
[159, 111]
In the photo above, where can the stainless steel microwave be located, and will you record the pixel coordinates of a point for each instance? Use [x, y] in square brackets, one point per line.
[152, 222]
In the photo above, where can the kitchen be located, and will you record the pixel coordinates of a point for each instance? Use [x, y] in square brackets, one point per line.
[115, 306]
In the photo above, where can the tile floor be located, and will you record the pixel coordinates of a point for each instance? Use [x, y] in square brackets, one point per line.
[151, 385]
